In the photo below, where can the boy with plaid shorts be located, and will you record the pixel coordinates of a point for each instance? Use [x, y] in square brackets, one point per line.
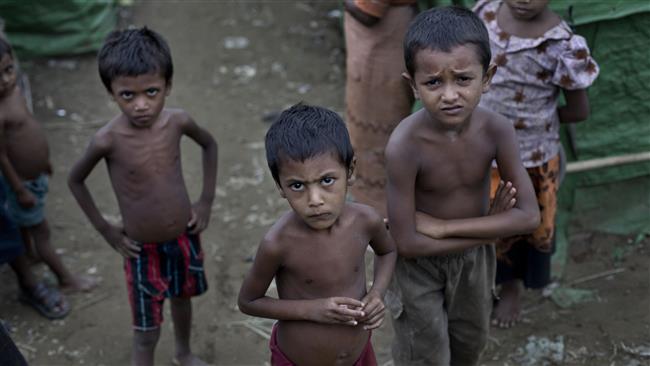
[141, 147]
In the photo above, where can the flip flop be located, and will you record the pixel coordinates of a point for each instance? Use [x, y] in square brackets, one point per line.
[47, 301]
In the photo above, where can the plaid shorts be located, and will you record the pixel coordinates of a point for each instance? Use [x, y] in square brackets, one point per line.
[169, 269]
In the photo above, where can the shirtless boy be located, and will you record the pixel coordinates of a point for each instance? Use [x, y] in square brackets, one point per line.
[438, 162]
[141, 146]
[316, 251]
[24, 170]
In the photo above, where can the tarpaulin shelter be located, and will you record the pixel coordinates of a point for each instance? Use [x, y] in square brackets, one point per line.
[607, 187]
[50, 28]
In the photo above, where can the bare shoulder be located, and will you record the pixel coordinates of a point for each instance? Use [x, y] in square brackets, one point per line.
[493, 123]
[177, 116]
[405, 134]
[364, 215]
[277, 237]
[104, 137]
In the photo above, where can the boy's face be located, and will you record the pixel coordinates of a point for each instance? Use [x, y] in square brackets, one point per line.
[450, 84]
[315, 188]
[7, 74]
[140, 98]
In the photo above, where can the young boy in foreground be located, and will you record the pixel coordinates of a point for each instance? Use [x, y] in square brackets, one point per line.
[24, 174]
[438, 162]
[316, 251]
[141, 147]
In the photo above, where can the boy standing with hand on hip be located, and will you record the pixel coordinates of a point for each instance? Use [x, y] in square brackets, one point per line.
[141, 147]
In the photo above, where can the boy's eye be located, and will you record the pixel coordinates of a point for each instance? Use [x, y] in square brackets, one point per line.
[9, 68]
[327, 181]
[297, 186]
[152, 92]
[433, 82]
[464, 79]
[126, 95]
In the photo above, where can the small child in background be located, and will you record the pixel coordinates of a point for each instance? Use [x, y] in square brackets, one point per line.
[316, 251]
[159, 239]
[24, 174]
[537, 55]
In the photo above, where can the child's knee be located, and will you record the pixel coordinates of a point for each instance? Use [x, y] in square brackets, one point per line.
[145, 340]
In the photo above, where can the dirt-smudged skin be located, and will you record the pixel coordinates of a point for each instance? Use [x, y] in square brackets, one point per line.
[140, 180]
[25, 140]
[314, 270]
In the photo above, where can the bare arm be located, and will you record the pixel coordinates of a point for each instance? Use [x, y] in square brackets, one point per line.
[523, 217]
[253, 300]
[202, 208]
[385, 256]
[25, 197]
[98, 148]
[576, 108]
[400, 192]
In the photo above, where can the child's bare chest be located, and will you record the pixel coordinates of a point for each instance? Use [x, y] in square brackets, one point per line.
[448, 165]
[326, 268]
[146, 156]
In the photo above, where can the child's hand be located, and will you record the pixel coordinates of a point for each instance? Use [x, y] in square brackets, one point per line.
[374, 310]
[504, 198]
[200, 218]
[430, 225]
[336, 310]
[127, 247]
[25, 198]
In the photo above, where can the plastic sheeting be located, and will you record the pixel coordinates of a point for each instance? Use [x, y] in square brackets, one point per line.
[49, 28]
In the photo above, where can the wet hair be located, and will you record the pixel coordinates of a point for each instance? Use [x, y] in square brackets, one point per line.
[134, 52]
[5, 47]
[302, 132]
[444, 28]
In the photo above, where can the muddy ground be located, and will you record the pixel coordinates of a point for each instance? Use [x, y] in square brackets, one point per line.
[236, 63]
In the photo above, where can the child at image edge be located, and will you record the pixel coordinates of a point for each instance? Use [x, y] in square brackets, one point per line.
[316, 251]
[537, 55]
[24, 180]
[438, 166]
[141, 147]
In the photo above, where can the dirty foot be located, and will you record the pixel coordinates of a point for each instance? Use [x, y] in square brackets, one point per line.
[188, 360]
[507, 311]
[79, 283]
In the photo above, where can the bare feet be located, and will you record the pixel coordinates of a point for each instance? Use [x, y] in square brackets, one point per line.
[507, 311]
[188, 360]
[79, 283]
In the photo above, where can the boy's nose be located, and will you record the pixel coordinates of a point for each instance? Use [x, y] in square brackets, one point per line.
[315, 198]
[141, 104]
[449, 93]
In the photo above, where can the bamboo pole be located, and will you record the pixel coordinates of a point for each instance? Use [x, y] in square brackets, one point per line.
[579, 166]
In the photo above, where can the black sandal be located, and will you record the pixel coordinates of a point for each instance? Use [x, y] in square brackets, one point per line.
[46, 300]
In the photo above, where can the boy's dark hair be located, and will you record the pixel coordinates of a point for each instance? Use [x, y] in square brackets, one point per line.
[441, 29]
[134, 52]
[5, 47]
[302, 132]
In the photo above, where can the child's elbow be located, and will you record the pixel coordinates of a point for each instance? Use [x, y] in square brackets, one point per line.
[532, 221]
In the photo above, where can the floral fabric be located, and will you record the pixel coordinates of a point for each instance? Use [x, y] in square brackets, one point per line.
[530, 74]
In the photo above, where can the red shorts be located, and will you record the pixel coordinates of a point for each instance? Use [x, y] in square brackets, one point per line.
[367, 357]
[169, 269]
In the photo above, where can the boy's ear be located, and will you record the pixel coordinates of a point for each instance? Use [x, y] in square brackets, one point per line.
[411, 82]
[277, 185]
[168, 88]
[351, 176]
[487, 78]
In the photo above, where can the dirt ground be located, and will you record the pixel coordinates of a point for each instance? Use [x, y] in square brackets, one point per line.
[236, 63]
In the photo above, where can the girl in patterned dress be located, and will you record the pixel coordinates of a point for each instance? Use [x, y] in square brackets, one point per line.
[537, 56]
